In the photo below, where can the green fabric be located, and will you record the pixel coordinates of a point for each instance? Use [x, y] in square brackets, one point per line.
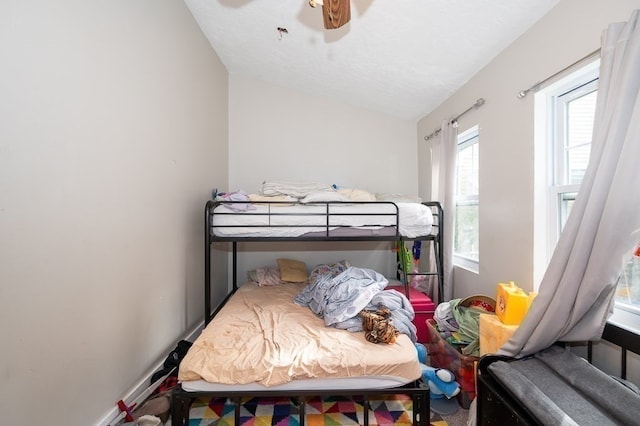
[468, 320]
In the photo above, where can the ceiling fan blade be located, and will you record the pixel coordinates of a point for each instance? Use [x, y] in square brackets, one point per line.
[336, 13]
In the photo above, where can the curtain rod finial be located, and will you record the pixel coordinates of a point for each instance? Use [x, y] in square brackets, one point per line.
[522, 94]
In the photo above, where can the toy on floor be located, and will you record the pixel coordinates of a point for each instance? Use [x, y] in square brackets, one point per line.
[442, 385]
[441, 382]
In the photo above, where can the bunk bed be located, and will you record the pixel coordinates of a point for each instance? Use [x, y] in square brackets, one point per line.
[236, 222]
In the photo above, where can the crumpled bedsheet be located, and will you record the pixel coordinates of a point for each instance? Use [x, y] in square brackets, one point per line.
[338, 300]
[261, 336]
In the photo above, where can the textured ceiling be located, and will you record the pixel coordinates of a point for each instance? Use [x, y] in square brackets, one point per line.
[399, 57]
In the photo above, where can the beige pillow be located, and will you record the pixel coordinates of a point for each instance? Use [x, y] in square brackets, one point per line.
[399, 198]
[292, 271]
[357, 194]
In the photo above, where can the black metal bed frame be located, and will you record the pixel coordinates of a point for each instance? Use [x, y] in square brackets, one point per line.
[181, 399]
[496, 404]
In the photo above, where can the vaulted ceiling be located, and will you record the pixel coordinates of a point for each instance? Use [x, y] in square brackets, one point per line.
[399, 57]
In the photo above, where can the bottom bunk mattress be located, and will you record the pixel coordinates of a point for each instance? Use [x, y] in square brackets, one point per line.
[261, 339]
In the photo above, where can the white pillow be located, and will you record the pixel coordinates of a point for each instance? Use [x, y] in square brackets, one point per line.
[323, 196]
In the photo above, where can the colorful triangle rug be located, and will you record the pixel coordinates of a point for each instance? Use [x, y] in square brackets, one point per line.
[328, 411]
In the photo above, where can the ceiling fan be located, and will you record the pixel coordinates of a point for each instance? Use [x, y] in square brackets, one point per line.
[335, 13]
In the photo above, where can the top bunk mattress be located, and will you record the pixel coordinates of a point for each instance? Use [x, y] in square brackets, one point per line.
[272, 219]
[261, 336]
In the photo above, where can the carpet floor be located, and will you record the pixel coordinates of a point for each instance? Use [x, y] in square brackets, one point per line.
[328, 411]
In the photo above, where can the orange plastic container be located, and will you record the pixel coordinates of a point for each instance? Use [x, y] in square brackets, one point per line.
[512, 303]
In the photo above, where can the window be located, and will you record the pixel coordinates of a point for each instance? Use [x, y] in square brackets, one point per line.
[628, 291]
[465, 247]
[573, 115]
[568, 114]
[563, 127]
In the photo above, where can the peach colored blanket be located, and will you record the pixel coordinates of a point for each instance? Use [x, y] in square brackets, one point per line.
[262, 336]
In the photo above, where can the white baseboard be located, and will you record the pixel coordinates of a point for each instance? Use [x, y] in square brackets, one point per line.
[141, 390]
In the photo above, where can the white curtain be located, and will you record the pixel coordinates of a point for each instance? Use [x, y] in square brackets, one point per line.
[576, 293]
[444, 154]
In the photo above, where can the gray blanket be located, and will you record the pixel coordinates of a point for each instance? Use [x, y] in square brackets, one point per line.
[560, 388]
[339, 299]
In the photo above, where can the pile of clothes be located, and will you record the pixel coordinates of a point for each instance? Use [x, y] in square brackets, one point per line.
[458, 321]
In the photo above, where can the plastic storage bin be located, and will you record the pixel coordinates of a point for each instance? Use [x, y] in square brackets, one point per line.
[423, 307]
[443, 355]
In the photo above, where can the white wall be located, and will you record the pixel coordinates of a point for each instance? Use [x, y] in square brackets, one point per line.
[113, 128]
[280, 134]
[567, 33]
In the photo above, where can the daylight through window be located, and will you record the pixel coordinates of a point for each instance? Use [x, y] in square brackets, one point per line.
[466, 247]
[572, 104]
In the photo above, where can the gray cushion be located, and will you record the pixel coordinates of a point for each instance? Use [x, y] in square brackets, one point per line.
[561, 388]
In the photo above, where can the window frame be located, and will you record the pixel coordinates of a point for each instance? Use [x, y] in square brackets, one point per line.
[547, 221]
[465, 140]
[547, 151]
[574, 88]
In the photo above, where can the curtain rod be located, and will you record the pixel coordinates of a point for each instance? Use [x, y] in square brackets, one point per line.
[523, 93]
[476, 105]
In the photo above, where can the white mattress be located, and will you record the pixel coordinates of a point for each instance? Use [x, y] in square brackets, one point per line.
[266, 220]
[342, 383]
